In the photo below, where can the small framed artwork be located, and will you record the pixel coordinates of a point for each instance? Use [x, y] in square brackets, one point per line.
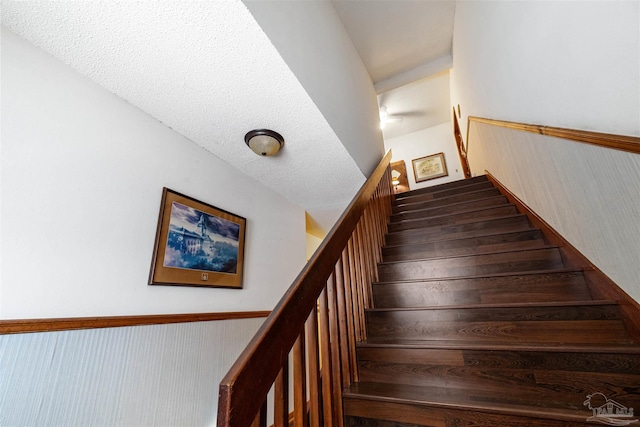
[429, 167]
[197, 244]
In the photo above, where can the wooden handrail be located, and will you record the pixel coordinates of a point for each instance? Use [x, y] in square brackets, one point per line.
[344, 258]
[618, 142]
[21, 326]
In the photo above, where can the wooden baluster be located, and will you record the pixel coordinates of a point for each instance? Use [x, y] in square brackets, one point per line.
[313, 352]
[375, 222]
[300, 418]
[281, 398]
[325, 359]
[334, 341]
[261, 417]
[371, 245]
[364, 267]
[351, 320]
[380, 223]
[357, 252]
[343, 330]
[353, 273]
[366, 252]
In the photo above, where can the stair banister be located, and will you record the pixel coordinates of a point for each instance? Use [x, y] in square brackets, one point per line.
[343, 267]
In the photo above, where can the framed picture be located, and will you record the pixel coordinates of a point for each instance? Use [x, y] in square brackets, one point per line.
[197, 244]
[429, 167]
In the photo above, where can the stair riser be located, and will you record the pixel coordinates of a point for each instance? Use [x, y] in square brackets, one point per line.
[476, 245]
[527, 372]
[449, 209]
[564, 324]
[458, 218]
[403, 198]
[472, 228]
[591, 362]
[366, 413]
[399, 208]
[537, 259]
[561, 332]
[485, 290]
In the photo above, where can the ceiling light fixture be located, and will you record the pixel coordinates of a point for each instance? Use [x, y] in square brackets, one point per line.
[264, 142]
[385, 118]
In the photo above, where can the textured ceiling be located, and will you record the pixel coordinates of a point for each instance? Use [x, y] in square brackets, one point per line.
[206, 70]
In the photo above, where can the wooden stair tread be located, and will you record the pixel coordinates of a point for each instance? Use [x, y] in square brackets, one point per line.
[539, 406]
[480, 276]
[424, 206]
[438, 189]
[446, 185]
[470, 222]
[403, 198]
[425, 213]
[504, 251]
[481, 233]
[498, 252]
[567, 285]
[449, 216]
[628, 348]
[510, 305]
[455, 226]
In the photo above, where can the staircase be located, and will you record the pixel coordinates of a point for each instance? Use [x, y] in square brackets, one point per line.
[478, 321]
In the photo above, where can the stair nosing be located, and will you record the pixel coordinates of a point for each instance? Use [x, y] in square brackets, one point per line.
[444, 199]
[490, 234]
[408, 194]
[495, 408]
[413, 220]
[545, 247]
[479, 276]
[472, 181]
[413, 230]
[632, 348]
[448, 205]
[579, 303]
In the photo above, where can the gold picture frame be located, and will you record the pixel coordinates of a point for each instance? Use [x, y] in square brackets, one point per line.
[197, 244]
[429, 167]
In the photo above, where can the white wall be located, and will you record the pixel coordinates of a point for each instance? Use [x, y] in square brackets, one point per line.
[82, 175]
[313, 42]
[163, 375]
[572, 64]
[433, 140]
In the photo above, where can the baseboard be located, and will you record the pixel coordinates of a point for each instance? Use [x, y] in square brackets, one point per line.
[600, 285]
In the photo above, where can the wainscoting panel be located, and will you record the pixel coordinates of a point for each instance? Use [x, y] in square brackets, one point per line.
[589, 194]
[160, 375]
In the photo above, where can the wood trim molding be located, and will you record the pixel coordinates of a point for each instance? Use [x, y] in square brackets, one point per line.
[73, 323]
[600, 285]
[630, 144]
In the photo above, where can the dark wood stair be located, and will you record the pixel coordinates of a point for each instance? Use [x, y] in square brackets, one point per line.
[479, 321]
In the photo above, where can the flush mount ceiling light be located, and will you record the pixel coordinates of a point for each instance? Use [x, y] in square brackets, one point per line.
[264, 142]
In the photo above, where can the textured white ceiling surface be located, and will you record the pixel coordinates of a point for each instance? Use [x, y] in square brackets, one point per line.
[397, 36]
[208, 71]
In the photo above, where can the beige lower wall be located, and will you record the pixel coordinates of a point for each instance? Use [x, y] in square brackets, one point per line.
[589, 194]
